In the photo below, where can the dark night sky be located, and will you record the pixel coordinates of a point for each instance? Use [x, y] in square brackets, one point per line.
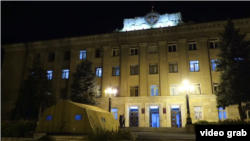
[34, 21]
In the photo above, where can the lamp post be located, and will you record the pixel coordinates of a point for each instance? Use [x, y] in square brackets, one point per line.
[185, 88]
[110, 92]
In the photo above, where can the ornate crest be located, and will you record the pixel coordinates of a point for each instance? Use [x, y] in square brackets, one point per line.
[152, 18]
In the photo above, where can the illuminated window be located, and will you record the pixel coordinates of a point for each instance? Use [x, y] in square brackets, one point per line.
[174, 90]
[78, 117]
[238, 59]
[213, 43]
[49, 117]
[116, 71]
[222, 113]
[173, 67]
[65, 74]
[116, 51]
[153, 68]
[154, 90]
[197, 88]
[51, 57]
[66, 56]
[98, 53]
[114, 112]
[49, 74]
[152, 49]
[172, 47]
[83, 54]
[134, 50]
[134, 70]
[198, 112]
[98, 72]
[192, 45]
[134, 91]
[215, 87]
[213, 64]
[194, 66]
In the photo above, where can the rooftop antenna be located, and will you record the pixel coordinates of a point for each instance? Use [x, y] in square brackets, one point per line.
[152, 6]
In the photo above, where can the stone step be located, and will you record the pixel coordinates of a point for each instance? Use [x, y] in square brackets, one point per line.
[151, 129]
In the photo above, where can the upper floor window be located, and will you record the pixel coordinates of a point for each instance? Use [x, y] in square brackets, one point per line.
[116, 71]
[174, 90]
[83, 54]
[98, 53]
[134, 50]
[134, 91]
[213, 43]
[192, 45]
[116, 51]
[172, 47]
[198, 112]
[215, 87]
[222, 113]
[65, 74]
[173, 67]
[213, 64]
[194, 66]
[152, 49]
[98, 72]
[154, 90]
[114, 111]
[51, 57]
[197, 88]
[49, 74]
[66, 56]
[153, 68]
[134, 70]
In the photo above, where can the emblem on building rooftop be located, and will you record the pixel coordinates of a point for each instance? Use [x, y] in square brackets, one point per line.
[152, 18]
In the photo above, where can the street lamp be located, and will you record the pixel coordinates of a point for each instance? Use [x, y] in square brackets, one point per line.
[110, 92]
[185, 88]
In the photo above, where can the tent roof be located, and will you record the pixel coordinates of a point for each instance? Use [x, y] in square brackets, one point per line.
[88, 107]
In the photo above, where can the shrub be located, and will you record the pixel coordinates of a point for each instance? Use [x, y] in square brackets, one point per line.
[233, 122]
[16, 129]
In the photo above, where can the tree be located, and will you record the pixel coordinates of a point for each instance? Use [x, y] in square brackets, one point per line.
[234, 67]
[34, 95]
[84, 87]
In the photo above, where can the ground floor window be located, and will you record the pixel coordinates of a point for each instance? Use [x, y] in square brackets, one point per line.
[198, 112]
[222, 113]
[114, 112]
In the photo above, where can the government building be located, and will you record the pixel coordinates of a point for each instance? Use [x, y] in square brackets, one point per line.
[146, 62]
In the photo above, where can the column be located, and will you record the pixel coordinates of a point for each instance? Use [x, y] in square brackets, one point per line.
[184, 63]
[164, 87]
[72, 69]
[90, 52]
[106, 72]
[124, 70]
[57, 74]
[206, 85]
[143, 73]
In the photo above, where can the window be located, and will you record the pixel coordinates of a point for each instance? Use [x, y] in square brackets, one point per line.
[154, 90]
[213, 64]
[51, 57]
[49, 117]
[194, 66]
[134, 50]
[152, 49]
[173, 67]
[192, 45]
[65, 74]
[134, 91]
[114, 112]
[78, 117]
[197, 88]
[118, 91]
[198, 112]
[103, 120]
[213, 43]
[153, 68]
[116, 51]
[98, 72]
[98, 53]
[174, 90]
[116, 71]
[215, 87]
[49, 74]
[238, 59]
[66, 56]
[222, 113]
[134, 70]
[171, 47]
[63, 93]
[83, 54]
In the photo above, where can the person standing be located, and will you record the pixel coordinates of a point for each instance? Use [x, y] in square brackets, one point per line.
[120, 120]
[123, 121]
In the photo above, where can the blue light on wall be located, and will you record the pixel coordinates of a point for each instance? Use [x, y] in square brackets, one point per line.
[49, 117]
[78, 117]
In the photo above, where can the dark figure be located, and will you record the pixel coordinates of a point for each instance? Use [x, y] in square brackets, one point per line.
[123, 121]
[120, 120]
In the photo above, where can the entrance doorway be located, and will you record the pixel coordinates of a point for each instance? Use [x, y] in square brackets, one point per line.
[133, 117]
[176, 116]
[154, 116]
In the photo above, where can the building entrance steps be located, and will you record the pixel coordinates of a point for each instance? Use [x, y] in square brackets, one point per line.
[152, 129]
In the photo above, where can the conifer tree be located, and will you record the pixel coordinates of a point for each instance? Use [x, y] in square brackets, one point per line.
[84, 87]
[234, 67]
[34, 95]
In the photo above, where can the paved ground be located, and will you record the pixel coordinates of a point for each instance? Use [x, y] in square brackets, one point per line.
[161, 136]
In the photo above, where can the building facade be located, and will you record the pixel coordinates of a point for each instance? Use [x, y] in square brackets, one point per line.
[146, 66]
